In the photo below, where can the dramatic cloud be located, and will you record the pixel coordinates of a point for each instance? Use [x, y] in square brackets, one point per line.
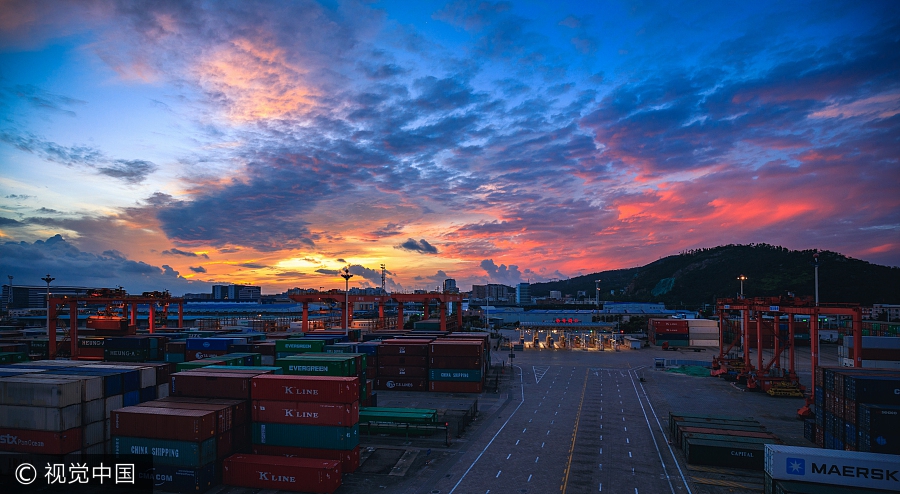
[422, 246]
[501, 274]
[179, 252]
[73, 267]
[198, 269]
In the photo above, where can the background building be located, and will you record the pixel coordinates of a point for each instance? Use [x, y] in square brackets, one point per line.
[523, 294]
[239, 293]
[450, 286]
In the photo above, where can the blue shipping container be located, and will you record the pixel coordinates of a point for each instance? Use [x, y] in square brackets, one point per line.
[131, 398]
[216, 344]
[167, 452]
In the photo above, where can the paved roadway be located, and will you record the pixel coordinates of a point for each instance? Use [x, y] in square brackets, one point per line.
[579, 422]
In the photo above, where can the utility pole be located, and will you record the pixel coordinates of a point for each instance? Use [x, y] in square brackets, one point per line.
[816, 264]
[383, 291]
[742, 279]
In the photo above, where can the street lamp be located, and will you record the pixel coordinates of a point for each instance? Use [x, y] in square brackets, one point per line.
[816, 264]
[345, 273]
[742, 278]
[48, 279]
[597, 284]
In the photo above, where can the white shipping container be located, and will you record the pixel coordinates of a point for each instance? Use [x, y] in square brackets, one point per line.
[162, 391]
[40, 418]
[94, 433]
[60, 363]
[887, 342]
[704, 330]
[829, 335]
[707, 343]
[268, 360]
[91, 388]
[113, 403]
[829, 466]
[873, 364]
[704, 336]
[20, 390]
[93, 411]
[696, 323]
[97, 449]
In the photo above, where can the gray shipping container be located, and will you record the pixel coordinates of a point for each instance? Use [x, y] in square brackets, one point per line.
[94, 433]
[40, 393]
[93, 411]
[113, 403]
[40, 418]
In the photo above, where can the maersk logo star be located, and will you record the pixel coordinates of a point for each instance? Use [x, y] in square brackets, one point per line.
[796, 466]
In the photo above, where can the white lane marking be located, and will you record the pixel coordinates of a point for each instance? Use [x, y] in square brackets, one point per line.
[517, 442]
[542, 444]
[635, 490]
[626, 429]
[632, 470]
[507, 456]
[629, 454]
[601, 487]
[653, 436]
[498, 473]
[623, 419]
[529, 478]
[548, 433]
[623, 410]
[535, 411]
[627, 441]
[555, 413]
[551, 422]
[536, 459]
[522, 387]
[601, 437]
[601, 451]
[601, 466]
[529, 421]
[525, 429]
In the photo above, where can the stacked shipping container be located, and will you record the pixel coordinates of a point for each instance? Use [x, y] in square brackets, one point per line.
[675, 332]
[456, 366]
[878, 352]
[792, 469]
[720, 440]
[307, 417]
[403, 365]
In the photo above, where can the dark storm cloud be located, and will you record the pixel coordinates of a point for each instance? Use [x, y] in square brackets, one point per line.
[72, 266]
[329, 272]
[421, 246]
[198, 269]
[129, 171]
[9, 222]
[178, 252]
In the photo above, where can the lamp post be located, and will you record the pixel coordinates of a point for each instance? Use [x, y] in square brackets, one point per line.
[816, 264]
[742, 278]
[48, 279]
[597, 285]
[345, 273]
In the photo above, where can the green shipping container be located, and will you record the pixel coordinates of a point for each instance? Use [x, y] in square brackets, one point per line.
[196, 364]
[248, 358]
[175, 357]
[299, 345]
[458, 375]
[306, 436]
[335, 349]
[724, 454]
[13, 357]
[260, 368]
[167, 452]
[314, 367]
[355, 359]
[400, 415]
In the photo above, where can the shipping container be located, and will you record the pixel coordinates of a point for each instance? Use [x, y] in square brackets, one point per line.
[822, 466]
[323, 389]
[212, 344]
[402, 371]
[349, 458]
[282, 473]
[724, 454]
[455, 387]
[227, 416]
[307, 436]
[299, 345]
[401, 361]
[455, 362]
[401, 384]
[40, 442]
[403, 348]
[44, 392]
[297, 365]
[459, 375]
[169, 478]
[40, 418]
[93, 411]
[164, 423]
[460, 348]
[211, 385]
[167, 452]
[289, 412]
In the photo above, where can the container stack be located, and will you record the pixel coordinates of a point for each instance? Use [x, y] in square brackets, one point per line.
[675, 332]
[716, 440]
[792, 469]
[130, 349]
[293, 346]
[703, 332]
[307, 417]
[845, 397]
[182, 442]
[403, 365]
[456, 366]
[282, 473]
[878, 352]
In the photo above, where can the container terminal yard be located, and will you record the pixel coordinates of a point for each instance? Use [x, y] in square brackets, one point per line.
[748, 402]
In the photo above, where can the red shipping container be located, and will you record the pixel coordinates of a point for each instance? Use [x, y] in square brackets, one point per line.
[230, 413]
[402, 384]
[292, 412]
[321, 389]
[190, 355]
[461, 348]
[671, 330]
[265, 349]
[391, 371]
[282, 473]
[396, 361]
[211, 384]
[406, 348]
[455, 363]
[349, 458]
[406, 341]
[41, 442]
[456, 387]
[163, 423]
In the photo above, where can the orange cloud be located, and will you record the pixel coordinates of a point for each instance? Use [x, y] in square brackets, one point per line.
[256, 79]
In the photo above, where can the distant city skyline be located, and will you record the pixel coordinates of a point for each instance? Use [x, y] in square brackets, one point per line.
[182, 145]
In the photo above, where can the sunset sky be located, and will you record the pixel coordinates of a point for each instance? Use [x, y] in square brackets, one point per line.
[173, 145]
